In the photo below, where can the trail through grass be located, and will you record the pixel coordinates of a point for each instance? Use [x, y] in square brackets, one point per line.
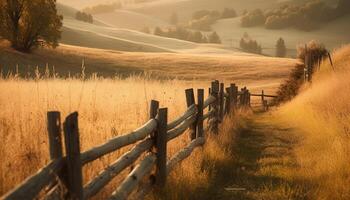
[264, 163]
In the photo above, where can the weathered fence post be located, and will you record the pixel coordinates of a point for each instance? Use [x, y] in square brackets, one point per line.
[54, 131]
[234, 90]
[241, 97]
[55, 147]
[190, 101]
[247, 98]
[74, 166]
[222, 102]
[153, 109]
[228, 100]
[209, 107]
[161, 146]
[215, 93]
[200, 101]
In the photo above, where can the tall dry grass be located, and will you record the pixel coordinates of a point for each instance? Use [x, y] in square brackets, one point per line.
[107, 108]
[322, 114]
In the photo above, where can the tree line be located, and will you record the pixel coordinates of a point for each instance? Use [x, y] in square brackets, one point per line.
[85, 17]
[183, 33]
[250, 45]
[307, 17]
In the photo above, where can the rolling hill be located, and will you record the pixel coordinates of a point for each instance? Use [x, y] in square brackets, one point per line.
[130, 20]
[103, 35]
[333, 34]
[244, 69]
[185, 8]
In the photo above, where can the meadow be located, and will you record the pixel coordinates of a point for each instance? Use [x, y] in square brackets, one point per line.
[321, 116]
[107, 108]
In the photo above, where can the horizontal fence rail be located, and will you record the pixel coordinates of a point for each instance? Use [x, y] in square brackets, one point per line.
[62, 177]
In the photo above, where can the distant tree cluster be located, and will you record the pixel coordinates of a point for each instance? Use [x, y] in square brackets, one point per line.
[184, 34]
[305, 17]
[85, 17]
[281, 49]
[249, 45]
[29, 24]
[203, 19]
[103, 8]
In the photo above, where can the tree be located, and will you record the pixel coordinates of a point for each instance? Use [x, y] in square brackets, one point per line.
[214, 38]
[281, 49]
[26, 24]
[158, 31]
[174, 19]
[228, 13]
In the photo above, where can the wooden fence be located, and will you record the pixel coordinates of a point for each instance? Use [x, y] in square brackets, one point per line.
[62, 178]
[313, 60]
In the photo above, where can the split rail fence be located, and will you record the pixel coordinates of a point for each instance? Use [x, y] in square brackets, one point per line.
[62, 178]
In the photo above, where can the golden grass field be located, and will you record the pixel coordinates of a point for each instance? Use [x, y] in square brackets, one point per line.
[256, 72]
[321, 114]
[107, 108]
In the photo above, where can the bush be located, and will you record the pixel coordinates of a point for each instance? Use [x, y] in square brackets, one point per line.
[228, 13]
[276, 22]
[249, 45]
[85, 17]
[183, 34]
[290, 88]
[316, 48]
[214, 38]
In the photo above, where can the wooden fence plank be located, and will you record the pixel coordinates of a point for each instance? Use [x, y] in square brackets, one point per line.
[104, 177]
[173, 133]
[31, 187]
[134, 178]
[192, 110]
[119, 142]
[74, 165]
[184, 153]
[208, 102]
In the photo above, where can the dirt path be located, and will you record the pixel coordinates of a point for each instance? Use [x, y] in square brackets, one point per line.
[265, 166]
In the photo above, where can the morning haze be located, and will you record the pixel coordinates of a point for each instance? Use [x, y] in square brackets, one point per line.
[174, 99]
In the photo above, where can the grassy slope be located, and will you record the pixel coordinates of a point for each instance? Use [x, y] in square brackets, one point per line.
[242, 68]
[130, 20]
[322, 115]
[332, 34]
[101, 35]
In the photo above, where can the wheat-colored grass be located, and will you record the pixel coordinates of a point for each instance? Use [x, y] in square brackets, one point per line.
[322, 114]
[107, 108]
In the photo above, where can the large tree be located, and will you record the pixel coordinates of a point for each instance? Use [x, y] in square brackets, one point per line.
[28, 23]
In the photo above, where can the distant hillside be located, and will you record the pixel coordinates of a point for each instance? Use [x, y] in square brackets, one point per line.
[105, 36]
[245, 69]
[130, 20]
[185, 8]
[332, 34]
